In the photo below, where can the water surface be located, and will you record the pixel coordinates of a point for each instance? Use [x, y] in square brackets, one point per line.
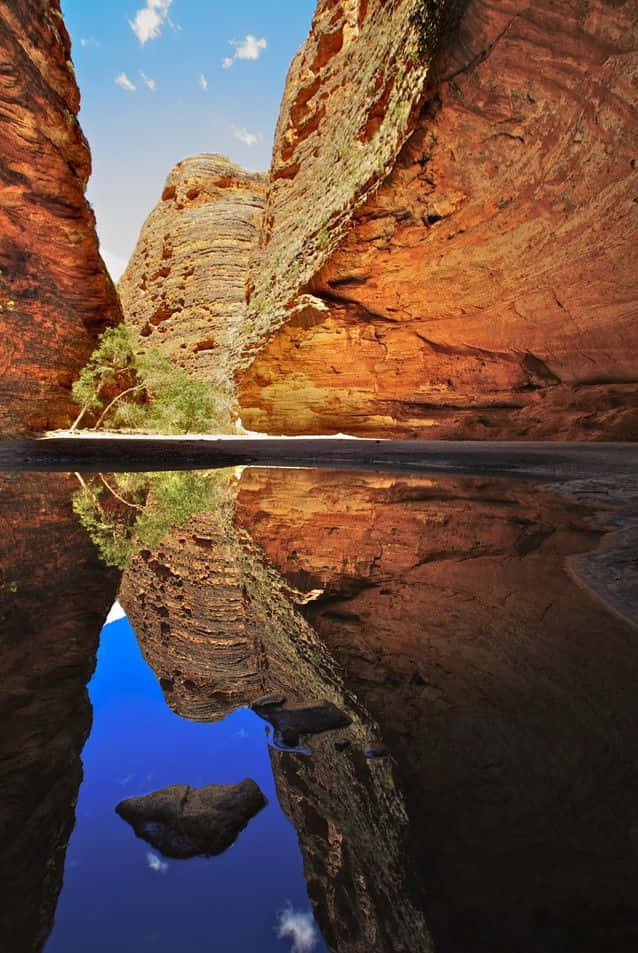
[437, 613]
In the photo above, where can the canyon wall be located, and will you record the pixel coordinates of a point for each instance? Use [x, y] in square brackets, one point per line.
[54, 597]
[486, 286]
[183, 290]
[448, 243]
[55, 293]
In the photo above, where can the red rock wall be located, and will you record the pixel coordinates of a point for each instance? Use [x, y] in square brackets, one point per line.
[55, 293]
[489, 288]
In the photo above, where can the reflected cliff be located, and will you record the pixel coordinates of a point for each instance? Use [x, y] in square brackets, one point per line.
[221, 628]
[440, 615]
[505, 693]
[54, 597]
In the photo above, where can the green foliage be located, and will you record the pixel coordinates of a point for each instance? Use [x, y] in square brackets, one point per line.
[132, 510]
[112, 356]
[435, 21]
[161, 399]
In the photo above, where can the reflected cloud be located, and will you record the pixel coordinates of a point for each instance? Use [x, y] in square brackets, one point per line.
[299, 927]
[157, 865]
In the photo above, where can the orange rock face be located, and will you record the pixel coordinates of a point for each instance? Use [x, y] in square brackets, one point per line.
[55, 293]
[488, 287]
[183, 290]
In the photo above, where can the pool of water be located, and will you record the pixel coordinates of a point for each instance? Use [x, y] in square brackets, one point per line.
[440, 617]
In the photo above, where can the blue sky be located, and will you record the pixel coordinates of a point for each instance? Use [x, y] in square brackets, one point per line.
[163, 79]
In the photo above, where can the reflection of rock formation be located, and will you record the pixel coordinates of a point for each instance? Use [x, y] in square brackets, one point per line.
[55, 295]
[54, 596]
[220, 629]
[506, 694]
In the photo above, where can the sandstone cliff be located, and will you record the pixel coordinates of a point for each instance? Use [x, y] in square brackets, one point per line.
[54, 597]
[183, 290]
[488, 287]
[55, 293]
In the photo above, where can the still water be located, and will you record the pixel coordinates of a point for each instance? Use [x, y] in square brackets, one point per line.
[478, 796]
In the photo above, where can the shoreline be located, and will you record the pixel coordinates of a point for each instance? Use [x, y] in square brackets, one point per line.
[601, 476]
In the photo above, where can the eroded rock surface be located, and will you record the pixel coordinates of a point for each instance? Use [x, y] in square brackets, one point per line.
[183, 290]
[55, 293]
[183, 822]
[488, 287]
[54, 597]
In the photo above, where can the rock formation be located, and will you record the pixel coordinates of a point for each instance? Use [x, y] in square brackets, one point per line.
[448, 245]
[54, 597]
[183, 290]
[183, 822]
[55, 293]
[486, 286]
[505, 694]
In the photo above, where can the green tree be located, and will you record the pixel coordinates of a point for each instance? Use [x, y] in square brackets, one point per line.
[151, 394]
[131, 510]
[112, 357]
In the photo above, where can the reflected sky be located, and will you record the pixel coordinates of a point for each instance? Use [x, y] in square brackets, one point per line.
[117, 892]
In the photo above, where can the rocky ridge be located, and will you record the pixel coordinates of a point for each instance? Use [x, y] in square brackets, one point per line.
[183, 290]
[55, 293]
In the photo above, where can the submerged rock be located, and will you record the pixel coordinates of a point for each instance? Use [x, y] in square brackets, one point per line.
[182, 822]
[305, 719]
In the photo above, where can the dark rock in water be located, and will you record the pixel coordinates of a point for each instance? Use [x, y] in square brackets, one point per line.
[182, 822]
[306, 719]
[342, 743]
[268, 701]
[376, 750]
[290, 738]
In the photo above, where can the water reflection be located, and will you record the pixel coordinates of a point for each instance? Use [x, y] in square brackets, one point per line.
[438, 615]
[222, 628]
[54, 597]
[506, 694]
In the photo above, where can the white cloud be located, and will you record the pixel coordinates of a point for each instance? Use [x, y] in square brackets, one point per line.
[202, 82]
[300, 927]
[148, 21]
[124, 82]
[249, 48]
[88, 41]
[152, 85]
[248, 138]
[155, 864]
